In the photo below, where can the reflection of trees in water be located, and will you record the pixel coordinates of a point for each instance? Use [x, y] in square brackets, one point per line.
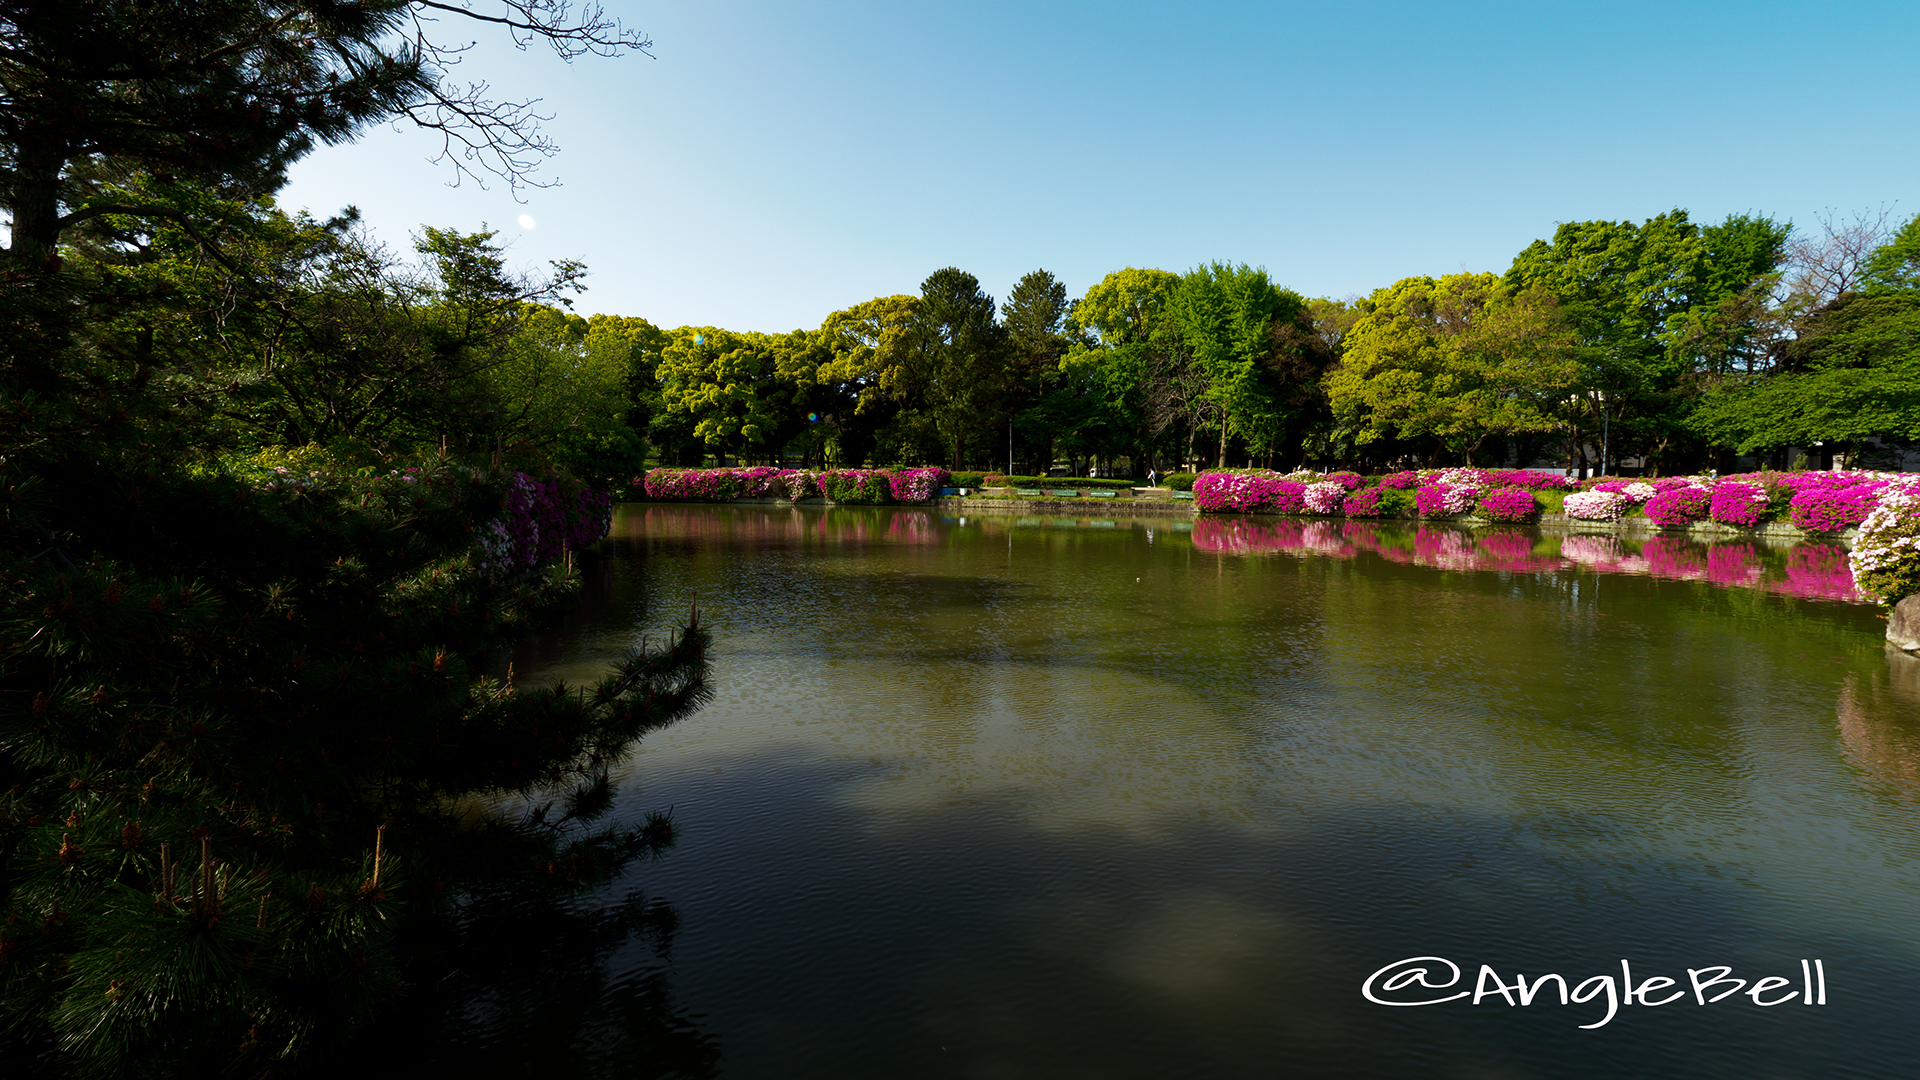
[1879, 724]
[526, 983]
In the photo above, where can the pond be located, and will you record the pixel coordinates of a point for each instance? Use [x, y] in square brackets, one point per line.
[1010, 797]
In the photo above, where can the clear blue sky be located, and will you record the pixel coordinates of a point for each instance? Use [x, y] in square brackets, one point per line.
[778, 161]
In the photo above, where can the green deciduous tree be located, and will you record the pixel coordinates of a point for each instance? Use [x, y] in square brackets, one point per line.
[720, 380]
[1852, 373]
[1221, 317]
[1894, 267]
[1655, 305]
[1457, 359]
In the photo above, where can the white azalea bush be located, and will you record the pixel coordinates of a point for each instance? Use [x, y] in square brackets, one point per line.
[1886, 554]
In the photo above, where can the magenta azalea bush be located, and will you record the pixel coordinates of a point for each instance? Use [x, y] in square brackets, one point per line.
[1401, 481]
[666, 483]
[541, 520]
[764, 481]
[1441, 499]
[1247, 493]
[1348, 481]
[1678, 505]
[1737, 502]
[1825, 508]
[1510, 504]
[917, 485]
[1364, 503]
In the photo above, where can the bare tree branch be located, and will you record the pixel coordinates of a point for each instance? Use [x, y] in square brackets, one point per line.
[1826, 265]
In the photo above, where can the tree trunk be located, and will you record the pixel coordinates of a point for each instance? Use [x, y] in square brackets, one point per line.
[36, 200]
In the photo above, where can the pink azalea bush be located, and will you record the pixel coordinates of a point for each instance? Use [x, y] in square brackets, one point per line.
[1325, 497]
[917, 485]
[1348, 481]
[1510, 504]
[802, 484]
[1441, 499]
[541, 520]
[1678, 505]
[1401, 480]
[765, 481]
[1247, 493]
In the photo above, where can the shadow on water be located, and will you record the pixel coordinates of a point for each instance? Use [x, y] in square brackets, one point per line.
[521, 985]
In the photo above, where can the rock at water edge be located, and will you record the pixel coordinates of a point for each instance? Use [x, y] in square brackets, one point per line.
[1903, 626]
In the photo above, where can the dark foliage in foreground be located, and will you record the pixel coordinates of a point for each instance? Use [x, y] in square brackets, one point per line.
[242, 723]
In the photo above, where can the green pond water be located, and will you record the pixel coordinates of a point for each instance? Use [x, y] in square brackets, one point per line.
[1012, 797]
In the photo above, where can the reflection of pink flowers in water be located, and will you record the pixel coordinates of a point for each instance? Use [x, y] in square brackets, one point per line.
[1813, 571]
[1733, 564]
[912, 527]
[1605, 554]
[1671, 558]
[1233, 536]
[1325, 538]
[1507, 546]
[1818, 572]
[1591, 549]
[1444, 548]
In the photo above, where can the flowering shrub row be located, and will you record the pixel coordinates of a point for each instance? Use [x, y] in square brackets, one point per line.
[762, 481]
[1434, 493]
[1884, 564]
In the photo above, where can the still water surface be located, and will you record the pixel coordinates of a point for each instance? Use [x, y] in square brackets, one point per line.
[1000, 797]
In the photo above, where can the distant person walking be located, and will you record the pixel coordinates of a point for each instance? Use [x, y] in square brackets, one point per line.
[1150, 476]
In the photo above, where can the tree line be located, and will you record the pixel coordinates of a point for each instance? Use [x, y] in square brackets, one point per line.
[1675, 345]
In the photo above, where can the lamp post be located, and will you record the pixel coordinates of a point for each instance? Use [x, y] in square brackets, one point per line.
[1605, 443]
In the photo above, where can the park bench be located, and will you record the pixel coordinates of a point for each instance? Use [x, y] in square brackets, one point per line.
[1183, 494]
[1026, 491]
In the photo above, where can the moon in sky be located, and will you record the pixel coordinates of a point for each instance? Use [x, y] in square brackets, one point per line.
[526, 221]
